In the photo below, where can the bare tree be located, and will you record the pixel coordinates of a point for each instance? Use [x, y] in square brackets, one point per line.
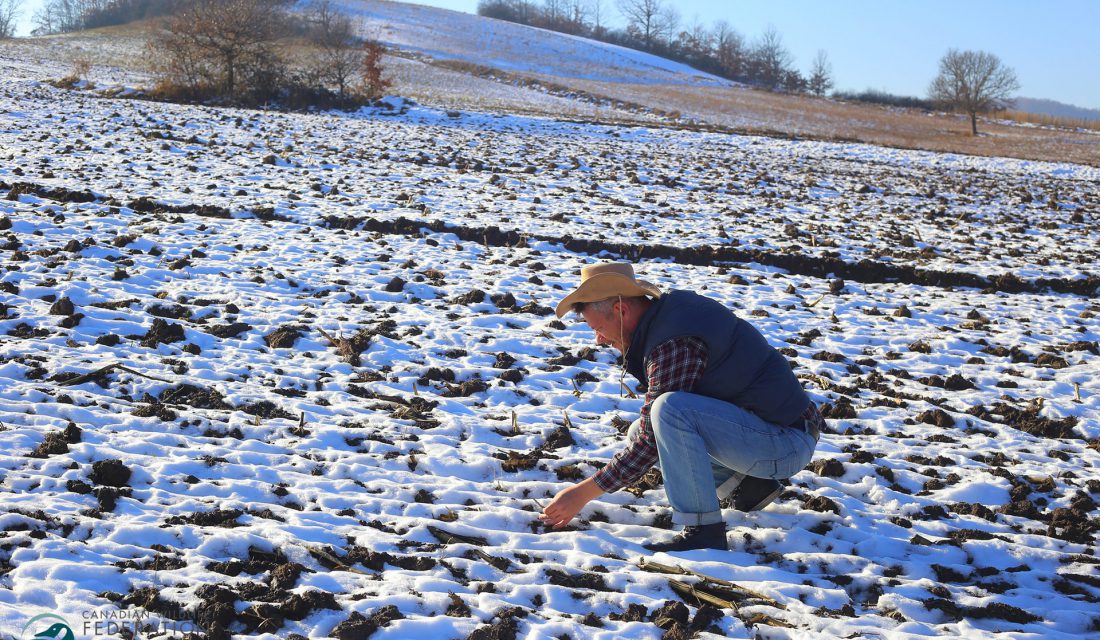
[668, 24]
[644, 18]
[340, 57]
[224, 46]
[598, 12]
[695, 40]
[973, 82]
[821, 74]
[577, 16]
[553, 13]
[729, 49]
[9, 16]
[770, 60]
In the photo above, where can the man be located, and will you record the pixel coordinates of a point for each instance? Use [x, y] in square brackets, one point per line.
[722, 412]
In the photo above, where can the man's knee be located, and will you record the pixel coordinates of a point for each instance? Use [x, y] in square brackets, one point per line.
[665, 405]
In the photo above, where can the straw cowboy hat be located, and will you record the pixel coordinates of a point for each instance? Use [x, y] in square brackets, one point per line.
[606, 280]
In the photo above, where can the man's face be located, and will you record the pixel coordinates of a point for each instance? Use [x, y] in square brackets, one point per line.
[608, 326]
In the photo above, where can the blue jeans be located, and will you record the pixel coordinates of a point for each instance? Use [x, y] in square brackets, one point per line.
[704, 443]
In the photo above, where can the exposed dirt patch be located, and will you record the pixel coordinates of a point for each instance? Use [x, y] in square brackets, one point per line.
[358, 626]
[815, 266]
[196, 397]
[228, 330]
[217, 518]
[162, 332]
[285, 336]
[111, 473]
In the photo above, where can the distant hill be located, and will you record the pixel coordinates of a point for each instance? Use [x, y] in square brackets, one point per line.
[1055, 108]
[443, 34]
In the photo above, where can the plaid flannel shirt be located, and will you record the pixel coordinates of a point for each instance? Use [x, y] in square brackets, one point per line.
[675, 365]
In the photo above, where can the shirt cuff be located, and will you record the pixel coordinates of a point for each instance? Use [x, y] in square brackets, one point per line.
[606, 482]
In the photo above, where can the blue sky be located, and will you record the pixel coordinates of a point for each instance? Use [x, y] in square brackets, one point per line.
[896, 45]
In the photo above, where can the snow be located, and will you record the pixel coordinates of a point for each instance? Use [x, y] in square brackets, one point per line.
[350, 456]
[452, 35]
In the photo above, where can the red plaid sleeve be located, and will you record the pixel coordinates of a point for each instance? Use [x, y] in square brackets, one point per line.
[675, 365]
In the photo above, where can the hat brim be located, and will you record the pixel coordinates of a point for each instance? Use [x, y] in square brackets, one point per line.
[606, 285]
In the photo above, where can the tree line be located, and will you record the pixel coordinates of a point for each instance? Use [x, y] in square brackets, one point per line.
[228, 50]
[655, 26]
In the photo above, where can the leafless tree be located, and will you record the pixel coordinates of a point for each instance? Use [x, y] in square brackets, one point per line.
[553, 13]
[669, 24]
[973, 82]
[695, 40]
[223, 45]
[598, 11]
[577, 16]
[340, 57]
[9, 15]
[645, 18]
[771, 62]
[821, 74]
[729, 49]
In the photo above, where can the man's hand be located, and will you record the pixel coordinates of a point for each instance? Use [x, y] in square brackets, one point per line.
[569, 502]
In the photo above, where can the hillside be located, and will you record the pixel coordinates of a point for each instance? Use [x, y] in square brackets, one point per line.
[1055, 108]
[596, 72]
[453, 60]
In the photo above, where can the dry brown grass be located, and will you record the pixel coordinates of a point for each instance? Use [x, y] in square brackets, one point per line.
[734, 109]
[762, 112]
[1051, 121]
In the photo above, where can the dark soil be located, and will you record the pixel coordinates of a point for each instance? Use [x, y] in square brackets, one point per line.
[111, 473]
[830, 467]
[505, 628]
[298, 606]
[937, 417]
[57, 194]
[54, 444]
[707, 255]
[559, 438]
[821, 504]
[584, 580]
[358, 626]
[1029, 421]
[266, 409]
[474, 296]
[377, 560]
[672, 612]
[174, 311]
[633, 613]
[217, 518]
[228, 330]
[162, 332]
[466, 389]
[196, 397]
[63, 307]
[285, 336]
[157, 410]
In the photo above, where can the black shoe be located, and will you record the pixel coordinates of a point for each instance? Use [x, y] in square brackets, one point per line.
[707, 536]
[756, 493]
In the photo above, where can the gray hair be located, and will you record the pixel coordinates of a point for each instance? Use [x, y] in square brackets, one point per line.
[603, 307]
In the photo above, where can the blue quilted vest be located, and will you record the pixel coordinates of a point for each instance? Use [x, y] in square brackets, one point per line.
[742, 368]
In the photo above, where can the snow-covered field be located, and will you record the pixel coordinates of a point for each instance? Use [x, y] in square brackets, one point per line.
[183, 443]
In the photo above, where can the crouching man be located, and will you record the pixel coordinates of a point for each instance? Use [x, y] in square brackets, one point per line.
[724, 416]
